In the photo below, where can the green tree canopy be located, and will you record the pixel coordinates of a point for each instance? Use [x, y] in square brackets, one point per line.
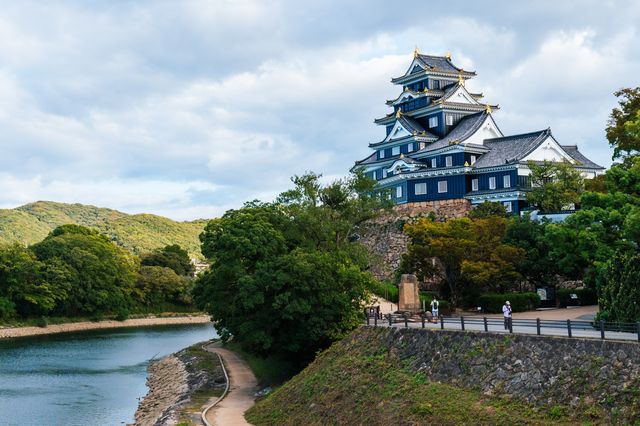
[486, 209]
[554, 185]
[100, 275]
[623, 129]
[285, 276]
[172, 256]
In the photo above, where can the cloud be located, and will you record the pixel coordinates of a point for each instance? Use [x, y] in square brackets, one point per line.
[188, 109]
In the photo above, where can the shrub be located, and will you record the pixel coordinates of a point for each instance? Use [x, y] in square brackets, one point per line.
[492, 303]
[122, 314]
[586, 296]
[7, 309]
[42, 322]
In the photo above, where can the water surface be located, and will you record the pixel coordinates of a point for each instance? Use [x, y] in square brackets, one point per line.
[92, 377]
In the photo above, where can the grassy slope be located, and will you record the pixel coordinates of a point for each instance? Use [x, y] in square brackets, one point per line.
[139, 233]
[352, 384]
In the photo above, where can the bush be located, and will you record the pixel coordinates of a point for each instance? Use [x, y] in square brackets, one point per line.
[385, 289]
[520, 302]
[42, 322]
[122, 314]
[7, 309]
[586, 296]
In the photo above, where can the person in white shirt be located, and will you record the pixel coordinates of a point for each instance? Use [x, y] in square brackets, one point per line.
[506, 312]
[434, 307]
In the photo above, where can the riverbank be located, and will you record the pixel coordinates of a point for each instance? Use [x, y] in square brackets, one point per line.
[12, 332]
[180, 385]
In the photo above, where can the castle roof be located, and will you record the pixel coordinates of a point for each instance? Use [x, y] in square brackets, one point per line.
[583, 161]
[510, 149]
[465, 128]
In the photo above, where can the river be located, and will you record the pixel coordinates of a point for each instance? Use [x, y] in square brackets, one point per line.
[87, 378]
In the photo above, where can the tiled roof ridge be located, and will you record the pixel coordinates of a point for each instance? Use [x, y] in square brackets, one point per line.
[520, 135]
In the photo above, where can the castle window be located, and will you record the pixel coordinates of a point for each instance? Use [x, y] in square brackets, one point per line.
[395, 150]
[448, 161]
[434, 163]
[410, 147]
[474, 184]
[473, 159]
[398, 192]
[449, 120]
[381, 153]
[506, 181]
[492, 182]
[507, 206]
[442, 186]
[384, 173]
[433, 122]
[421, 188]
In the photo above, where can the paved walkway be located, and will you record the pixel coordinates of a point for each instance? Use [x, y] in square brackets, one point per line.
[242, 388]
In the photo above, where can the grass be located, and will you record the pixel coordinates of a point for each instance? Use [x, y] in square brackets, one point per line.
[354, 383]
[270, 371]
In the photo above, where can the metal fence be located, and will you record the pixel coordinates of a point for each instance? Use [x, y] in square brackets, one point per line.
[567, 328]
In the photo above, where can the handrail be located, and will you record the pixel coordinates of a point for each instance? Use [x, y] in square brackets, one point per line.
[573, 328]
[226, 390]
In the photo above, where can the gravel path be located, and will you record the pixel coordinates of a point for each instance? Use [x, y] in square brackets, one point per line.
[242, 388]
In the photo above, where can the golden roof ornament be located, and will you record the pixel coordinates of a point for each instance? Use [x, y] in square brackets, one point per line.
[398, 113]
[448, 55]
[424, 133]
[415, 133]
[466, 164]
[416, 52]
[487, 108]
[460, 79]
[401, 156]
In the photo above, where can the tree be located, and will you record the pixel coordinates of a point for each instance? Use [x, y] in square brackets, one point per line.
[158, 286]
[486, 209]
[101, 275]
[32, 287]
[554, 185]
[471, 253]
[172, 256]
[619, 289]
[623, 129]
[285, 277]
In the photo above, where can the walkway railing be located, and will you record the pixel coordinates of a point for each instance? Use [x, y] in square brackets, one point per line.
[567, 328]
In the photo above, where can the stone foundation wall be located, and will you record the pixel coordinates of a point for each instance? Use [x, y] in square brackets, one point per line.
[383, 236]
[581, 374]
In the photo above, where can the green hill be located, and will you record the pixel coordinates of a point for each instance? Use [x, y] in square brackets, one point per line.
[139, 233]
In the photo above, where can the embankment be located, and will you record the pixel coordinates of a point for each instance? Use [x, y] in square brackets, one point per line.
[10, 332]
[179, 384]
[380, 376]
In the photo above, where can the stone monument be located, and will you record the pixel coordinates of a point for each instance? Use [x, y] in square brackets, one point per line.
[409, 294]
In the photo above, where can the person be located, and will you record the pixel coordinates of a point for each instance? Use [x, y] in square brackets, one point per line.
[506, 311]
[434, 307]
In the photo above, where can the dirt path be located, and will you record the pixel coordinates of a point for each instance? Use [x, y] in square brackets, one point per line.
[242, 388]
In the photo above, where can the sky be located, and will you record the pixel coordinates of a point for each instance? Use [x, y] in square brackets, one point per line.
[188, 109]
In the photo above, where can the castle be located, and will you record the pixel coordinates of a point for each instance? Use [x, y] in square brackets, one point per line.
[442, 143]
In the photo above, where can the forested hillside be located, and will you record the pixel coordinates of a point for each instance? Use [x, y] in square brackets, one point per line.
[138, 233]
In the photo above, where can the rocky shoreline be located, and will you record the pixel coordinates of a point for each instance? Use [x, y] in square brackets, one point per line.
[11, 332]
[173, 382]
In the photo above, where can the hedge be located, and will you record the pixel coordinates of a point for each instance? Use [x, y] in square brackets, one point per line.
[520, 302]
[586, 296]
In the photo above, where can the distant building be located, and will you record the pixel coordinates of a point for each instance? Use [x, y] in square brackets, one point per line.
[443, 143]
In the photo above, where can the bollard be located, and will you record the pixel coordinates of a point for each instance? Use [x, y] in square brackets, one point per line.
[638, 330]
[569, 328]
[406, 321]
[422, 317]
[510, 325]
[486, 325]
[390, 320]
[375, 320]
[462, 322]
[366, 315]
[538, 326]
[602, 330]
[442, 323]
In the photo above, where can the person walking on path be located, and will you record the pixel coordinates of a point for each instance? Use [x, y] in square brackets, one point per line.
[435, 305]
[506, 312]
